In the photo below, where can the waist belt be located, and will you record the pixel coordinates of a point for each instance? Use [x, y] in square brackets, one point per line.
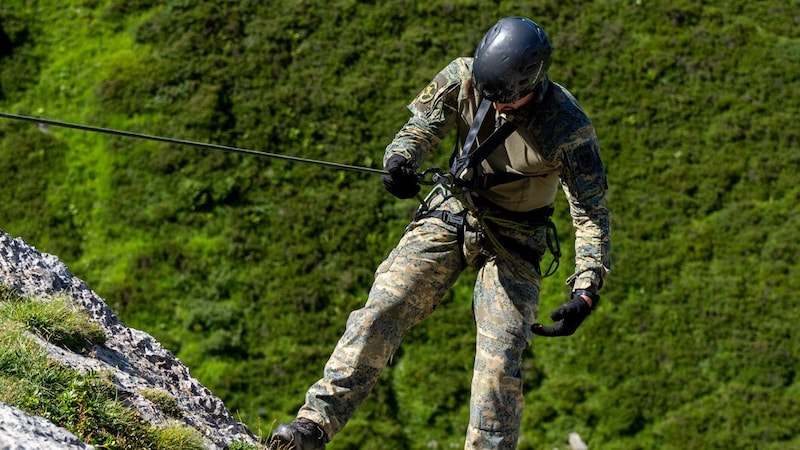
[540, 216]
[533, 218]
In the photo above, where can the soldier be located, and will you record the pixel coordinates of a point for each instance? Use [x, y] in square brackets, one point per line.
[520, 136]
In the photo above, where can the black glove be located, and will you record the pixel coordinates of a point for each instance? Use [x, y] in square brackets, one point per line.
[402, 181]
[569, 316]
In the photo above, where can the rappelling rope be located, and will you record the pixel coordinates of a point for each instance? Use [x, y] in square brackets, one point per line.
[483, 216]
[225, 148]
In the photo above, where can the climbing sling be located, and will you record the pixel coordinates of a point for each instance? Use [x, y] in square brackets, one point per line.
[470, 157]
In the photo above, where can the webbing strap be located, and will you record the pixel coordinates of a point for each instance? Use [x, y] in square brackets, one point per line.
[469, 157]
[477, 122]
[499, 135]
[487, 180]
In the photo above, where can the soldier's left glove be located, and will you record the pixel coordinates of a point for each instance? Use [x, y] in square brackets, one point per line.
[569, 316]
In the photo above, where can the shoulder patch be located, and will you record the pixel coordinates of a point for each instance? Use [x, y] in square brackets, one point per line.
[586, 158]
[429, 92]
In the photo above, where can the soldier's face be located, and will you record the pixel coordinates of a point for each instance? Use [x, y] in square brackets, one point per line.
[508, 107]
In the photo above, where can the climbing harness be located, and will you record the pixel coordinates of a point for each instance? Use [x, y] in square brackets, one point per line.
[461, 180]
[487, 219]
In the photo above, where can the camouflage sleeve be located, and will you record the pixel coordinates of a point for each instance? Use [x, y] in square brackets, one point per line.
[434, 112]
[583, 179]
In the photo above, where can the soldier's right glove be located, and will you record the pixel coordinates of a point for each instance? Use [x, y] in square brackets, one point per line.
[402, 181]
[569, 316]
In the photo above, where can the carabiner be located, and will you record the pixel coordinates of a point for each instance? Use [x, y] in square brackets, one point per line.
[433, 171]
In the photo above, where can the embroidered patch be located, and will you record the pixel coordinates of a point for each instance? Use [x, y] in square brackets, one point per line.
[585, 157]
[427, 94]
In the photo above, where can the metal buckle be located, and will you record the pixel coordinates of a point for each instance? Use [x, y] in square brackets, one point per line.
[452, 219]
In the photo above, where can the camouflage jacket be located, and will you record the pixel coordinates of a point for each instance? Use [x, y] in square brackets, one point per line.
[554, 143]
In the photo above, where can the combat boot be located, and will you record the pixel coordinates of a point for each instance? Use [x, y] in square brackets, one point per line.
[302, 434]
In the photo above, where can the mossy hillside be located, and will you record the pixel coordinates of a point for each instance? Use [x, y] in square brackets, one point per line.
[247, 268]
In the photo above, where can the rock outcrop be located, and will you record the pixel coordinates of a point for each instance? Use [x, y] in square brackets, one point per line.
[19, 430]
[136, 360]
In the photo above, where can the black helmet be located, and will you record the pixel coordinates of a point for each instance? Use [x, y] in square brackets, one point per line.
[511, 60]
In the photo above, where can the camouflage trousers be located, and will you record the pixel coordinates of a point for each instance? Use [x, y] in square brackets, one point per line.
[408, 287]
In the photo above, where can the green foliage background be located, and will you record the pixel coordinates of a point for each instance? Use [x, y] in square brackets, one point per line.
[247, 268]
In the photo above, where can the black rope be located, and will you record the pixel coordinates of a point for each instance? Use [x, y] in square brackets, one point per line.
[224, 148]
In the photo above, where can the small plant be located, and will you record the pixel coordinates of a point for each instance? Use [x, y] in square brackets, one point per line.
[164, 400]
[178, 437]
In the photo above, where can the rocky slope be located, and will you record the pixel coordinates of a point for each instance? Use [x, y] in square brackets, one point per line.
[136, 360]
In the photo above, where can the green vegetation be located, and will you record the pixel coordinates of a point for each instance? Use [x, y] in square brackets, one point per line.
[84, 404]
[164, 400]
[247, 268]
[58, 321]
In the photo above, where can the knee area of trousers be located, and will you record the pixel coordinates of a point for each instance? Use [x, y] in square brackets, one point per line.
[502, 343]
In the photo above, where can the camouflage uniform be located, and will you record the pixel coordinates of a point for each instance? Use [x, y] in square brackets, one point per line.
[554, 143]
